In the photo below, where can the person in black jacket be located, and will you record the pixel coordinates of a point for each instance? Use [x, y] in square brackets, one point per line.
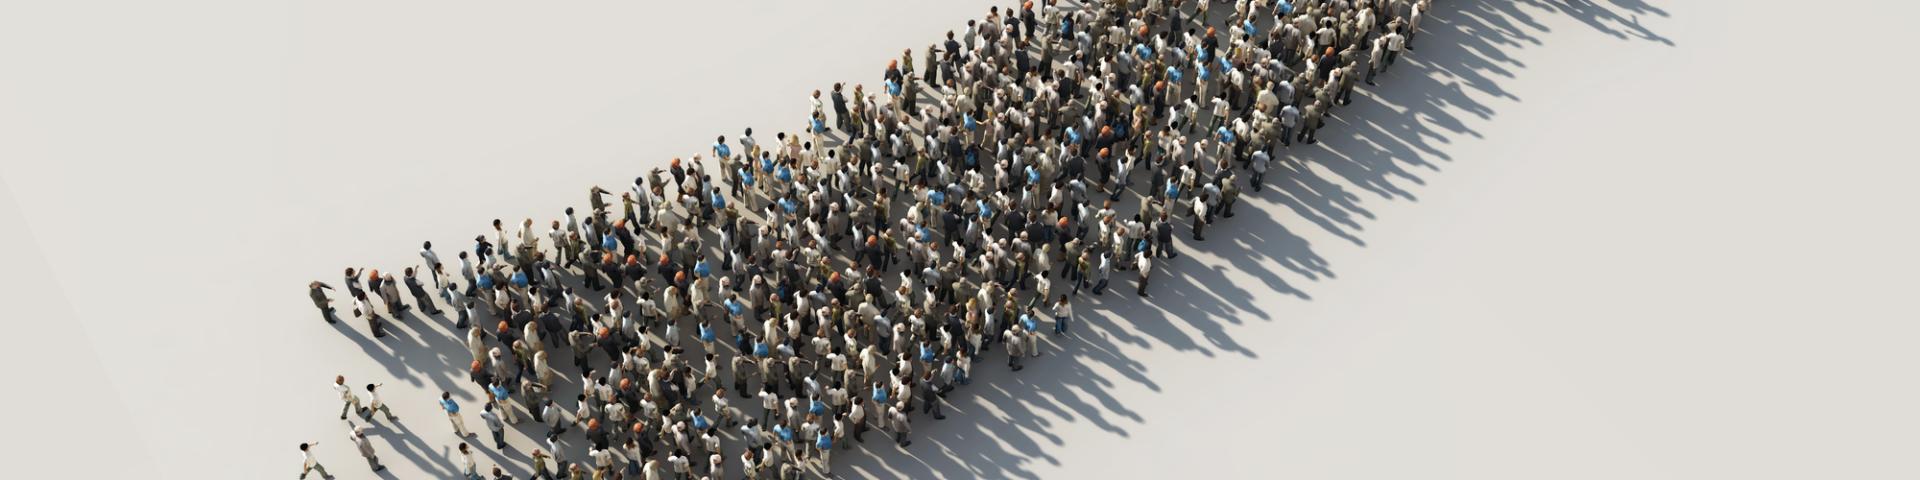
[1163, 236]
[419, 292]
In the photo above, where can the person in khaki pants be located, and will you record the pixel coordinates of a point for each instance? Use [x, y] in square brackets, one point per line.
[359, 438]
[348, 401]
[308, 464]
[453, 415]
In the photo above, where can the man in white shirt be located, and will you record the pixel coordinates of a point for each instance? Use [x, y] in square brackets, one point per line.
[1199, 217]
[375, 405]
[308, 464]
[433, 261]
[348, 401]
[1145, 263]
[1394, 43]
[467, 467]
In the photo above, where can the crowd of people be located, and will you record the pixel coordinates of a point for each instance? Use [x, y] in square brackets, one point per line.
[747, 312]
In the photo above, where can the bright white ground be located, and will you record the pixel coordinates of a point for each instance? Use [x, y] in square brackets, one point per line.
[1566, 239]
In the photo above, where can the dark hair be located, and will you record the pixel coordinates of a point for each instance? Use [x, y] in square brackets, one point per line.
[427, 245]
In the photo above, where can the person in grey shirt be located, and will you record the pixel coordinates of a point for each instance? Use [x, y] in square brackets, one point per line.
[360, 441]
[496, 426]
[1289, 120]
[317, 291]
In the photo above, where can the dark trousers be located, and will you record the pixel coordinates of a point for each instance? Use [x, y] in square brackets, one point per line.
[1143, 284]
[500, 439]
[426, 304]
[932, 405]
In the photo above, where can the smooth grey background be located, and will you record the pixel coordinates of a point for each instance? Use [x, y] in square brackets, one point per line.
[1567, 239]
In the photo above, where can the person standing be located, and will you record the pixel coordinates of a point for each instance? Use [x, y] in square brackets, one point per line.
[502, 397]
[419, 292]
[1290, 121]
[1102, 273]
[901, 426]
[840, 118]
[1144, 262]
[540, 460]
[453, 415]
[1376, 52]
[360, 441]
[930, 396]
[390, 291]
[462, 305]
[494, 425]
[1062, 313]
[317, 291]
[1259, 167]
[1413, 21]
[363, 306]
[1394, 43]
[823, 446]
[308, 464]
[467, 467]
[1015, 339]
[555, 418]
[348, 401]
[1310, 122]
[433, 261]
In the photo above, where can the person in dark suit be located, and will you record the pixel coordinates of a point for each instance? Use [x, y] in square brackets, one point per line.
[317, 291]
[419, 292]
